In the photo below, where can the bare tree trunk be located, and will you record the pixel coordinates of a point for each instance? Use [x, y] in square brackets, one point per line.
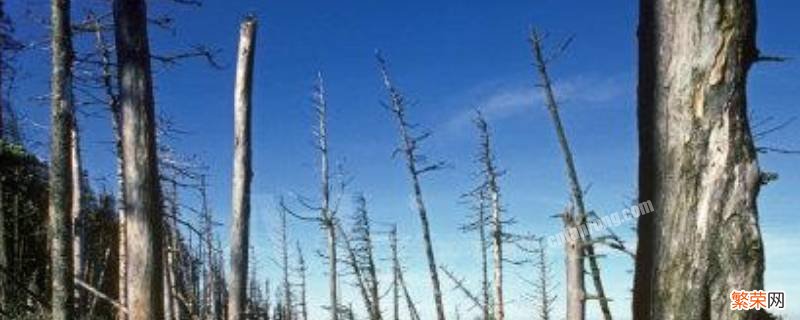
[409, 149]
[486, 157]
[575, 186]
[543, 283]
[697, 161]
[484, 258]
[413, 313]
[4, 249]
[116, 120]
[395, 274]
[573, 247]
[142, 195]
[78, 223]
[301, 268]
[326, 214]
[287, 286]
[60, 176]
[357, 272]
[363, 233]
[242, 172]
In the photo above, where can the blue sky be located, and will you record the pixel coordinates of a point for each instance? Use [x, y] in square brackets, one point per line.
[449, 57]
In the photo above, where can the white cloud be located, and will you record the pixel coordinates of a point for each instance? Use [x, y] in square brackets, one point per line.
[499, 101]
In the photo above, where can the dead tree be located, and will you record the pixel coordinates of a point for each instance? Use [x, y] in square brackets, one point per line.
[543, 286]
[479, 225]
[395, 274]
[242, 172]
[541, 60]
[358, 272]
[461, 286]
[287, 285]
[697, 161]
[142, 196]
[409, 146]
[492, 191]
[301, 271]
[327, 215]
[364, 250]
[60, 175]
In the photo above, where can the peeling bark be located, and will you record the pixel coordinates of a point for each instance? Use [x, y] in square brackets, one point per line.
[697, 161]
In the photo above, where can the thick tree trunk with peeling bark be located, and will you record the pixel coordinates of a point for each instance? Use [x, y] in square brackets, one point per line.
[242, 173]
[60, 175]
[142, 195]
[697, 162]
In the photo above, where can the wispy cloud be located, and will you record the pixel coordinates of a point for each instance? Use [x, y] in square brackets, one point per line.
[500, 101]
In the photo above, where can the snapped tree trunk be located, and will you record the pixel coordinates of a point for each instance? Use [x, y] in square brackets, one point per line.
[242, 172]
[572, 173]
[143, 216]
[697, 161]
[573, 248]
[60, 175]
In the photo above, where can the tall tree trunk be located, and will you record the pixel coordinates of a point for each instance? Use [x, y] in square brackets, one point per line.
[78, 223]
[242, 172]
[60, 226]
[697, 161]
[572, 173]
[493, 192]
[364, 234]
[327, 216]
[409, 148]
[142, 195]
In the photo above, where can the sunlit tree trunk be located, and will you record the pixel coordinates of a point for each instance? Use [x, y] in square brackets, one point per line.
[142, 196]
[697, 162]
[78, 222]
[242, 173]
[60, 175]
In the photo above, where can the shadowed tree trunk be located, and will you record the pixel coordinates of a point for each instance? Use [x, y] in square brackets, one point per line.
[142, 196]
[573, 248]
[60, 175]
[242, 172]
[301, 270]
[697, 162]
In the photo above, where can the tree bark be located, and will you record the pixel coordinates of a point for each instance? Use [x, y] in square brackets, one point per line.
[142, 195]
[573, 246]
[697, 161]
[242, 172]
[60, 175]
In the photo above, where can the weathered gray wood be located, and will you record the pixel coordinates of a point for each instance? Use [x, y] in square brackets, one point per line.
[60, 175]
[697, 161]
[409, 145]
[242, 172]
[143, 216]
